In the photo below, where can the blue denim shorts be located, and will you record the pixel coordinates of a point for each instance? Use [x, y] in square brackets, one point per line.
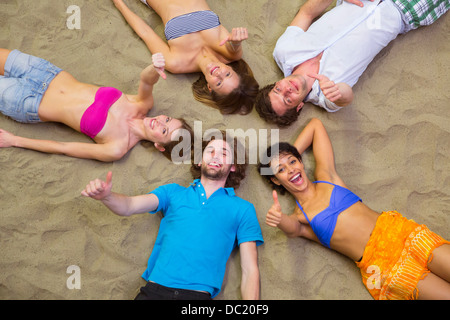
[22, 87]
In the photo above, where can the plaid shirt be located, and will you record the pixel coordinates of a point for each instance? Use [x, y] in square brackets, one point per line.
[418, 13]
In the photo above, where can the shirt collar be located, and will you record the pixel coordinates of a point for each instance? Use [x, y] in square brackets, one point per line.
[229, 191]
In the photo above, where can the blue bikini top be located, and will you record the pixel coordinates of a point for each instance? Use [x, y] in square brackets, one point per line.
[324, 223]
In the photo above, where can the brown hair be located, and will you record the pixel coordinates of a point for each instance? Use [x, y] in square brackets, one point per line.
[264, 108]
[240, 100]
[235, 177]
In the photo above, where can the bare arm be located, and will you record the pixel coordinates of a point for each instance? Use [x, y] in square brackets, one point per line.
[339, 93]
[250, 271]
[310, 11]
[289, 224]
[149, 77]
[315, 135]
[233, 43]
[101, 152]
[143, 30]
[118, 203]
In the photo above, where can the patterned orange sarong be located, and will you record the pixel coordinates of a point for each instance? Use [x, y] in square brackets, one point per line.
[396, 257]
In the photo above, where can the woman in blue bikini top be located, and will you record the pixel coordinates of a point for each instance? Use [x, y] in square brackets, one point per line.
[197, 42]
[326, 212]
[400, 250]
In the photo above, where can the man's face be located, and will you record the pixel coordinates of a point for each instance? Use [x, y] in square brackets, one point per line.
[288, 93]
[217, 161]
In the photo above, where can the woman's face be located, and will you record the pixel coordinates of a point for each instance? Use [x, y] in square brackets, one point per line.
[221, 78]
[159, 129]
[288, 172]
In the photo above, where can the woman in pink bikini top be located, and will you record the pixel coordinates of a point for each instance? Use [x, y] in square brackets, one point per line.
[115, 121]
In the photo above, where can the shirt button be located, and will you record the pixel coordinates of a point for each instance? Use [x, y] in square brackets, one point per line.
[203, 203]
[203, 194]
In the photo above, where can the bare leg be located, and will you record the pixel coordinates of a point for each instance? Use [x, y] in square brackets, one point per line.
[4, 53]
[440, 265]
[436, 285]
[433, 287]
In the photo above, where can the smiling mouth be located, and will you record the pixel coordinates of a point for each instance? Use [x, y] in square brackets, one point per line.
[293, 84]
[213, 70]
[214, 164]
[152, 123]
[296, 178]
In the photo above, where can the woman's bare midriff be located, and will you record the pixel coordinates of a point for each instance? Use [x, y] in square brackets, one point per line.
[353, 229]
[66, 99]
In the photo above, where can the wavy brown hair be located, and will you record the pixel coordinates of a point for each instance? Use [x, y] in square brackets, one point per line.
[240, 100]
[264, 108]
[235, 177]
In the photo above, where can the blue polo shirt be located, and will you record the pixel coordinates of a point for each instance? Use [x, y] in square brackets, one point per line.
[197, 236]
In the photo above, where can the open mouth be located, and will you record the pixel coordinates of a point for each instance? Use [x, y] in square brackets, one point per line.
[152, 123]
[297, 178]
[214, 165]
[213, 70]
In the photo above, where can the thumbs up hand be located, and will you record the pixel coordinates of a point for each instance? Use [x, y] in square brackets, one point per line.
[274, 215]
[98, 189]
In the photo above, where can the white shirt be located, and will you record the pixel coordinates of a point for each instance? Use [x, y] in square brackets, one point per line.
[349, 37]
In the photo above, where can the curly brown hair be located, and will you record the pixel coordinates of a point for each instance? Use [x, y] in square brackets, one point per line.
[240, 100]
[264, 108]
[240, 158]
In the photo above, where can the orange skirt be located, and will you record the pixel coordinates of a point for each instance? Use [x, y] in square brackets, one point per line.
[396, 257]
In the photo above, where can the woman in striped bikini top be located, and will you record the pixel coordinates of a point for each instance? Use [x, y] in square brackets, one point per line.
[115, 121]
[198, 42]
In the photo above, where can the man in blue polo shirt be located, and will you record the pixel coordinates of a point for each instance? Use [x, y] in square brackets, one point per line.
[201, 226]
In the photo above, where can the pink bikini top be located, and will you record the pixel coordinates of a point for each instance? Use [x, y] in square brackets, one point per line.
[94, 118]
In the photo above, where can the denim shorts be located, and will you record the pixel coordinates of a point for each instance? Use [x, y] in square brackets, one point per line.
[22, 87]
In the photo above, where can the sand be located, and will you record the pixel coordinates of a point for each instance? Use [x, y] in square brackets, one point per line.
[391, 147]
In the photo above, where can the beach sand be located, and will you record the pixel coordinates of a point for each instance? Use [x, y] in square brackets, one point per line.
[391, 146]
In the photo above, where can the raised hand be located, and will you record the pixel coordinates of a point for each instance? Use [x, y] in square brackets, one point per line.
[159, 64]
[98, 189]
[236, 36]
[274, 215]
[329, 88]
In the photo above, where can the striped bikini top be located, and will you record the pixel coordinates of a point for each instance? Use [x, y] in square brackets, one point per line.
[324, 223]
